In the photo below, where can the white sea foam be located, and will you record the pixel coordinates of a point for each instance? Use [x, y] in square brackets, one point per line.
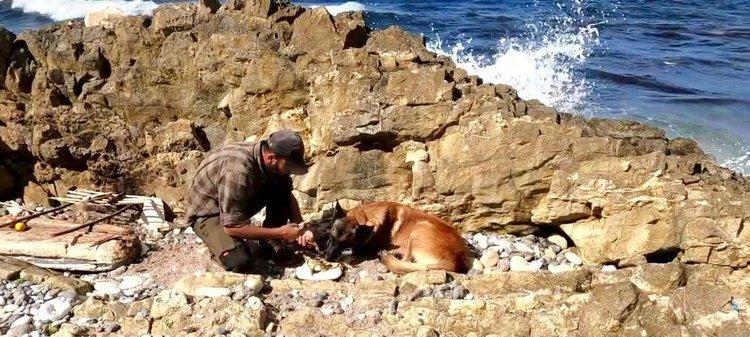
[349, 6]
[541, 65]
[69, 9]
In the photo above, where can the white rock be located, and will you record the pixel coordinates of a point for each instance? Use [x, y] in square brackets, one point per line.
[549, 253]
[255, 303]
[573, 258]
[21, 321]
[144, 248]
[304, 272]
[53, 310]
[558, 240]
[107, 288]
[476, 264]
[481, 240]
[212, 291]
[131, 282]
[254, 284]
[490, 258]
[609, 268]
[518, 263]
[10, 307]
[560, 268]
[535, 265]
[522, 247]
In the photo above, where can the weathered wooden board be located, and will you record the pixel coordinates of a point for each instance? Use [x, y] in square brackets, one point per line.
[73, 251]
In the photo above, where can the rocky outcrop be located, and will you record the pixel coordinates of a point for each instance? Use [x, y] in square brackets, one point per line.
[135, 103]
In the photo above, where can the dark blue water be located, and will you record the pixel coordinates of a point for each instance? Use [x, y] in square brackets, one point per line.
[681, 65]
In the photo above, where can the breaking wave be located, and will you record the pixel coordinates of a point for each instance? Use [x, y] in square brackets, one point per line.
[70, 9]
[545, 63]
[349, 6]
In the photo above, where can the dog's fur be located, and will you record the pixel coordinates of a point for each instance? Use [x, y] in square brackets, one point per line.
[423, 241]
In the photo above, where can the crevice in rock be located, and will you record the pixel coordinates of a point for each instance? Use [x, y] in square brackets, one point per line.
[78, 85]
[202, 139]
[103, 66]
[57, 98]
[663, 255]
[357, 37]
[78, 50]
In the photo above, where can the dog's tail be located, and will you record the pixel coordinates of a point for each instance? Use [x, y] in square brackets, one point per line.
[401, 267]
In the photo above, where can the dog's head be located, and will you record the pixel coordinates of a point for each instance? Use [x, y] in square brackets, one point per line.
[345, 233]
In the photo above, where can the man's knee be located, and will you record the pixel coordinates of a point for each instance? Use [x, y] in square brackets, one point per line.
[238, 259]
[230, 252]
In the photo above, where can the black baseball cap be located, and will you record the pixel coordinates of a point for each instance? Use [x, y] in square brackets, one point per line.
[288, 144]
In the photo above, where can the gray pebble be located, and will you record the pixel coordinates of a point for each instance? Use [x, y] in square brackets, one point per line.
[439, 295]
[503, 265]
[322, 296]
[415, 295]
[459, 292]
[112, 327]
[394, 307]
[474, 272]
[222, 331]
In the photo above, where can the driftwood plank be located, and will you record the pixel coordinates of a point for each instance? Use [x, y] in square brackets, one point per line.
[90, 251]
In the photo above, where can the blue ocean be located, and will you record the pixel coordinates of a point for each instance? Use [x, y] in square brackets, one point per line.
[682, 65]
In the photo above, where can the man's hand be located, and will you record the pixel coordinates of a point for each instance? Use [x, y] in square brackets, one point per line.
[307, 240]
[290, 232]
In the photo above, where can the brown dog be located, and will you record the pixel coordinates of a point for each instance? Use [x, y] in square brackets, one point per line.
[423, 241]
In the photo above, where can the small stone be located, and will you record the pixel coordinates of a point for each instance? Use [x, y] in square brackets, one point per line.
[523, 247]
[222, 331]
[316, 303]
[119, 271]
[490, 258]
[573, 258]
[415, 295]
[518, 263]
[609, 268]
[68, 294]
[20, 330]
[10, 307]
[476, 264]
[112, 327]
[21, 321]
[107, 288]
[481, 240]
[459, 292]
[503, 265]
[321, 296]
[469, 297]
[473, 272]
[131, 282]
[559, 241]
[54, 310]
[394, 307]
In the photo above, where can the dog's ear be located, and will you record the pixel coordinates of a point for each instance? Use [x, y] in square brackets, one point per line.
[363, 234]
[338, 212]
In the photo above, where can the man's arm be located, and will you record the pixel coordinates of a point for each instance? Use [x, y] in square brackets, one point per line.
[287, 233]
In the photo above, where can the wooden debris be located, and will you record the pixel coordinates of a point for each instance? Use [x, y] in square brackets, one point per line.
[93, 251]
